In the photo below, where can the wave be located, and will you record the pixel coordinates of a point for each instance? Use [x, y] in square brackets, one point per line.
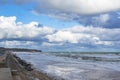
[91, 56]
[74, 66]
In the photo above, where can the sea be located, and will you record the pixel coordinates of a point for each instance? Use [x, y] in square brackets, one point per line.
[74, 65]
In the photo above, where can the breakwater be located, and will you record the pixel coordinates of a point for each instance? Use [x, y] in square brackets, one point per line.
[20, 69]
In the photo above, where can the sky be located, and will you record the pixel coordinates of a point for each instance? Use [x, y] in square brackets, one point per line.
[60, 25]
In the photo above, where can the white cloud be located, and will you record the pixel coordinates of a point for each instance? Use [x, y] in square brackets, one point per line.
[51, 44]
[77, 10]
[86, 12]
[10, 29]
[86, 35]
[102, 18]
[17, 43]
[81, 7]
[14, 34]
[63, 36]
[84, 7]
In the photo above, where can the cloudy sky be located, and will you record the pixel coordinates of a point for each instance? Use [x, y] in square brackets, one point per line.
[60, 25]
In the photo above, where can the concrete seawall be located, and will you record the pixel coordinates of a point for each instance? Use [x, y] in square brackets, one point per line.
[19, 71]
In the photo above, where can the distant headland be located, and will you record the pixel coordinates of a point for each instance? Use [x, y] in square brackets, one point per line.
[19, 49]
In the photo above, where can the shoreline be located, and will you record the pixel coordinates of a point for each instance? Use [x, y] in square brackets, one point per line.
[60, 67]
[25, 73]
[28, 71]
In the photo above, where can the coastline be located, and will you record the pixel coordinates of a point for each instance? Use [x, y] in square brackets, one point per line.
[10, 61]
[28, 71]
[70, 69]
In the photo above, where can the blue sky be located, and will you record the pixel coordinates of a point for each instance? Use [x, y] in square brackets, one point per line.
[77, 25]
[25, 15]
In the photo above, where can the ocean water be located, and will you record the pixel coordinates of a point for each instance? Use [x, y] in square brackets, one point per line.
[72, 65]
